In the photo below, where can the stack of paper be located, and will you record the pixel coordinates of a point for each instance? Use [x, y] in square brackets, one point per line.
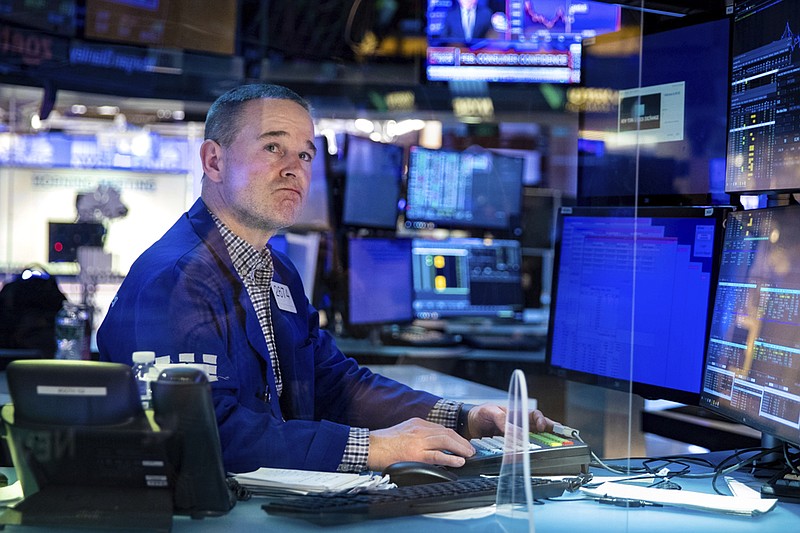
[283, 480]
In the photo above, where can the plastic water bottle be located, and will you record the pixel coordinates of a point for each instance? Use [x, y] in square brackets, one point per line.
[72, 332]
[144, 371]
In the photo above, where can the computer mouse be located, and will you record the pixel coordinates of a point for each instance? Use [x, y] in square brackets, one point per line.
[407, 473]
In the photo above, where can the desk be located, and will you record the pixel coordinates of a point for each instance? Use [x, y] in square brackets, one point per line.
[443, 385]
[555, 516]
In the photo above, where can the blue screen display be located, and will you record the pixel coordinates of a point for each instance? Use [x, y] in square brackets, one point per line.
[631, 296]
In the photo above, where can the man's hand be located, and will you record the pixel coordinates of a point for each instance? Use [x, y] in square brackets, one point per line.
[487, 420]
[417, 440]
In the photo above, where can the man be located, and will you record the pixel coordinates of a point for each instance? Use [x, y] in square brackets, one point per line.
[466, 21]
[211, 291]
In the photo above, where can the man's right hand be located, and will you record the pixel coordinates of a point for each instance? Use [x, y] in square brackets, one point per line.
[417, 440]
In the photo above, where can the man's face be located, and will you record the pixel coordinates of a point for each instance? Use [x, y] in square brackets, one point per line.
[467, 4]
[266, 171]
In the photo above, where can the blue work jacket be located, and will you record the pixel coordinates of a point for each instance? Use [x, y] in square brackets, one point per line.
[183, 298]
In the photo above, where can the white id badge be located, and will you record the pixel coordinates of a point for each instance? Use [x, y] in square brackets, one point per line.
[283, 297]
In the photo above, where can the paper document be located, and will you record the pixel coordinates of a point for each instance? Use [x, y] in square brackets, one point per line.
[685, 498]
[305, 481]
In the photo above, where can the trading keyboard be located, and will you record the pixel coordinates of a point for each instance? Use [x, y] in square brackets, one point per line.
[402, 501]
[549, 454]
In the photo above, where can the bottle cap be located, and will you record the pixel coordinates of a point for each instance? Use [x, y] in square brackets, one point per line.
[143, 357]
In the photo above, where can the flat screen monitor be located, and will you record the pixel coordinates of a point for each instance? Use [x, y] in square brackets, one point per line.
[632, 296]
[316, 211]
[762, 141]
[467, 277]
[373, 178]
[475, 189]
[752, 373]
[512, 40]
[657, 127]
[379, 281]
[64, 239]
[303, 251]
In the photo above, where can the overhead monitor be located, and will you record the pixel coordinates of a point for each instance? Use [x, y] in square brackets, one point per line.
[632, 296]
[316, 209]
[373, 178]
[467, 277]
[474, 189]
[512, 40]
[763, 144]
[752, 374]
[379, 281]
[655, 122]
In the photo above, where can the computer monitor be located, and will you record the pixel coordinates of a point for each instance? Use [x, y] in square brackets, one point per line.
[316, 211]
[467, 277]
[378, 281]
[752, 373]
[473, 189]
[762, 139]
[373, 178]
[513, 41]
[655, 125]
[632, 296]
[303, 251]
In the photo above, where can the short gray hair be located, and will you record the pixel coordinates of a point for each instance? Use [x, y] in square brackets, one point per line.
[222, 118]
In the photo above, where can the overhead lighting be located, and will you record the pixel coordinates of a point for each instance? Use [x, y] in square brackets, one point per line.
[364, 125]
[109, 110]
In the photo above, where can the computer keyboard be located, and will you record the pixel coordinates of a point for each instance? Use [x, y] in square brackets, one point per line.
[418, 336]
[401, 501]
[550, 454]
[530, 343]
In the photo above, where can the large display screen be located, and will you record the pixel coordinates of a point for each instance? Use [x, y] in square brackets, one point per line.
[753, 368]
[631, 298]
[512, 40]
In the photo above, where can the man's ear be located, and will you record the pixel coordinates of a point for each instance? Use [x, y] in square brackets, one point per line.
[211, 159]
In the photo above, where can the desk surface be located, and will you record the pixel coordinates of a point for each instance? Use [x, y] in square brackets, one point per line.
[441, 384]
[554, 516]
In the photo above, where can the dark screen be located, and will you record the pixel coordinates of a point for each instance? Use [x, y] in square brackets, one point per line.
[659, 127]
[373, 175]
